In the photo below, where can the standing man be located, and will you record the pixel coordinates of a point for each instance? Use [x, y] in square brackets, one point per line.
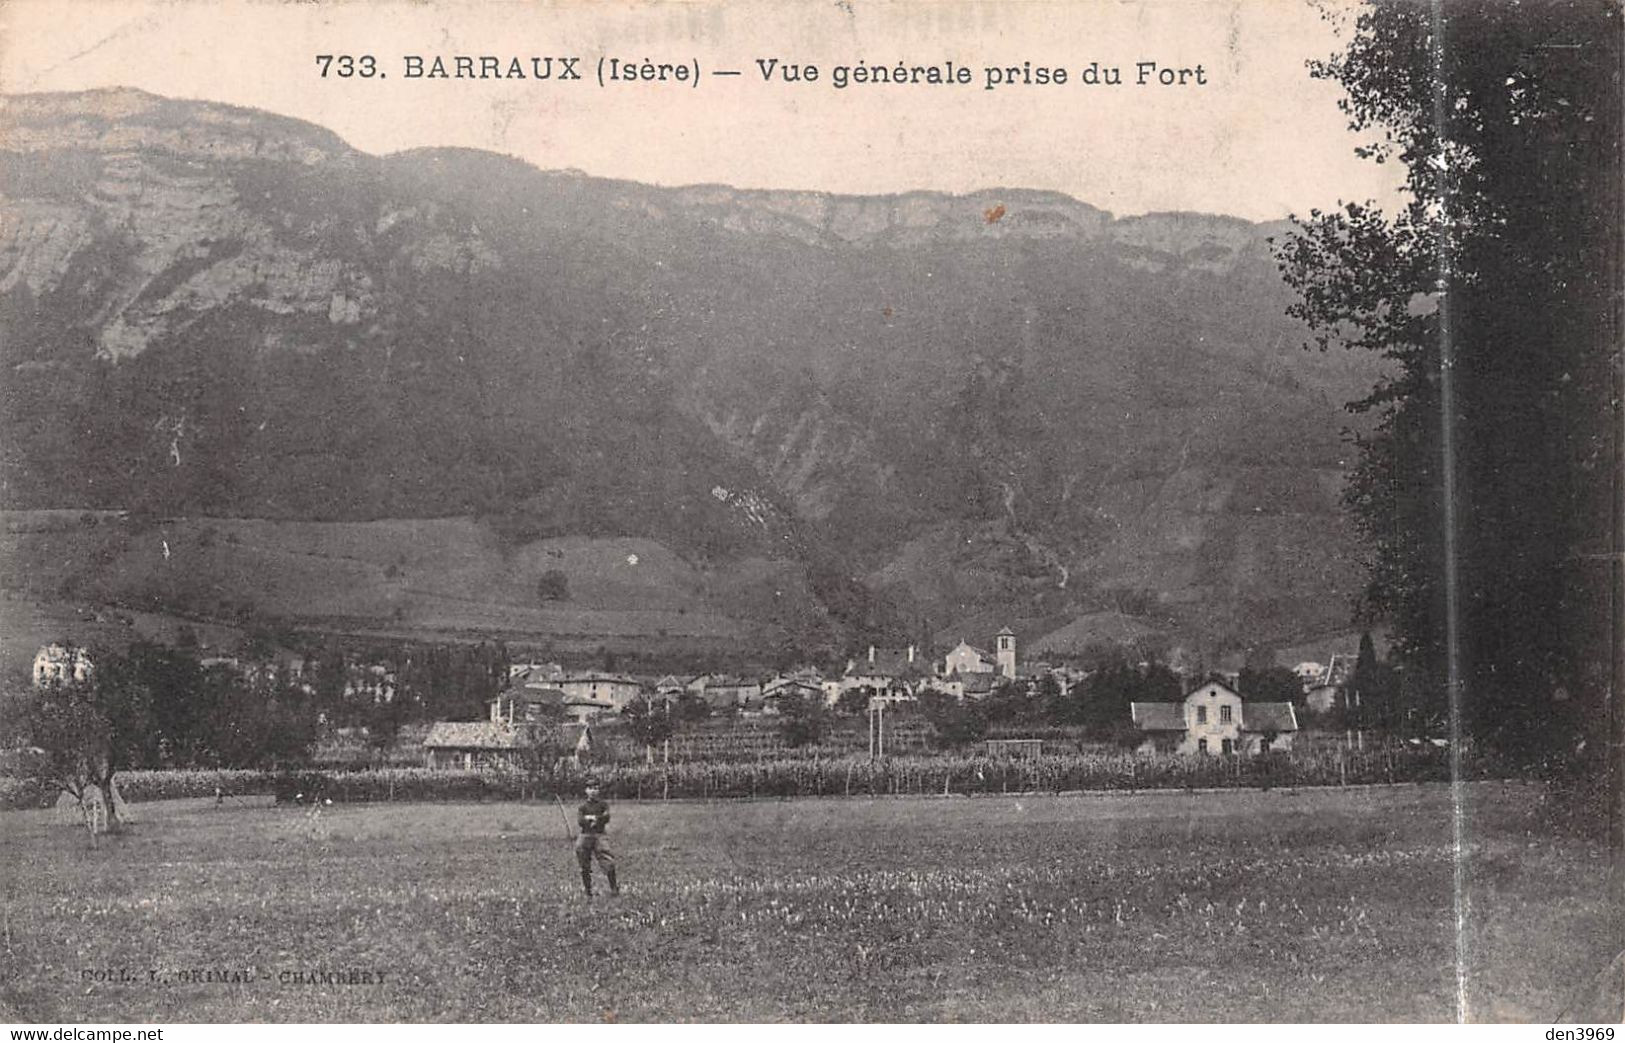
[593, 818]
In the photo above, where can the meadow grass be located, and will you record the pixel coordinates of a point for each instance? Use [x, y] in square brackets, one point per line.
[1309, 905]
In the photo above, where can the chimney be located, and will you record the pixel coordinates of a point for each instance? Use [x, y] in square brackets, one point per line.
[871, 654]
[911, 653]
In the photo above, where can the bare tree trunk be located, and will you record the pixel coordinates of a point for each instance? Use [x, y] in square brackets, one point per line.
[106, 784]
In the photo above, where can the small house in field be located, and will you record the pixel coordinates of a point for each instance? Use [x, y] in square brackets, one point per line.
[59, 664]
[1214, 720]
[475, 744]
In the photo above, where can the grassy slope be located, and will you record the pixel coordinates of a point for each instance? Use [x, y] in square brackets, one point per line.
[428, 578]
[1315, 905]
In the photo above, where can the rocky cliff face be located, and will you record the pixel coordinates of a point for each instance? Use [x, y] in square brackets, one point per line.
[216, 310]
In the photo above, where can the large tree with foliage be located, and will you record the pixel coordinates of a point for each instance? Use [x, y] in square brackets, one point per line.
[1485, 489]
[1101, 702]
[90, 729]
[651, 723]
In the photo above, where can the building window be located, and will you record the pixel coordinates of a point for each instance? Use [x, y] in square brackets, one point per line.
[1201, 745]
[1224, 715]
[1229, 747]
[1201, 715]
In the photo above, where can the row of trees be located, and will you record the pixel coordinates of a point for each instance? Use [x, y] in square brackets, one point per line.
[1489, 488]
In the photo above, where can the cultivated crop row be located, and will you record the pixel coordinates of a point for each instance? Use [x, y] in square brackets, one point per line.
[802, 777]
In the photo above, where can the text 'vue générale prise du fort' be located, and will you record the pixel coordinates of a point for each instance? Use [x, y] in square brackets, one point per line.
[605, 71]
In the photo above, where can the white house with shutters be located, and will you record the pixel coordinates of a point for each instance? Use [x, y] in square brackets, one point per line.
[59, 664]
[1214, 720]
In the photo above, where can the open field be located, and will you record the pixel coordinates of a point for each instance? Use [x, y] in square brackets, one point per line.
[1308, 905]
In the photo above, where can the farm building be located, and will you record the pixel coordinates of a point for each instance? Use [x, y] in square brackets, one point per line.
[890, 675]
[774, 693]
[476, 744]
[59, 664]
[523, 704]
[1215, 720]
[726, 693]
[616, 689]
[977, 686]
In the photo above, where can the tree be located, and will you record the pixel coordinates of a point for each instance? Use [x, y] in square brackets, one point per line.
[956, 722]
[802, 721]
[1010, 703]
[1371, 698]
[651, 724]
[1051, 699]
[692, 708]
[90, 730]
[1270, 684]
[553, 585]
[382, 721]
[263, 725]
[1486, 488]
[1101, 701]
[854, 702]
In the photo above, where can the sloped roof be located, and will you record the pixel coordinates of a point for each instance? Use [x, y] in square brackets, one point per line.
[523, 694]
[980, 683]
[1214, 682]
[778, 683]
[1158, 717]
[793, 688]
[1268, 717]
[890, 662]
[595, 676]
[539, 675]
[474, 735]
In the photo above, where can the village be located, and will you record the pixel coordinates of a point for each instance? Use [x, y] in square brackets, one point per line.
[1213, 718]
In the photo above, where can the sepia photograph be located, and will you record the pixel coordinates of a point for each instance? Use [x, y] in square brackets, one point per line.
[872, 511]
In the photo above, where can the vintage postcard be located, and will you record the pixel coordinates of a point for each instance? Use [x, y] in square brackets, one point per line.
[859, 511]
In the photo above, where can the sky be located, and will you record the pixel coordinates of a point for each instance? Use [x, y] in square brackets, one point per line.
[1259, 139]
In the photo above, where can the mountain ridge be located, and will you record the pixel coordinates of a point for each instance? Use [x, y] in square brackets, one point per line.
[215, 311]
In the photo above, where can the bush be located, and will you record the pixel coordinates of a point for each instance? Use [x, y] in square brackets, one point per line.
[24, 793]
[553, 585]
